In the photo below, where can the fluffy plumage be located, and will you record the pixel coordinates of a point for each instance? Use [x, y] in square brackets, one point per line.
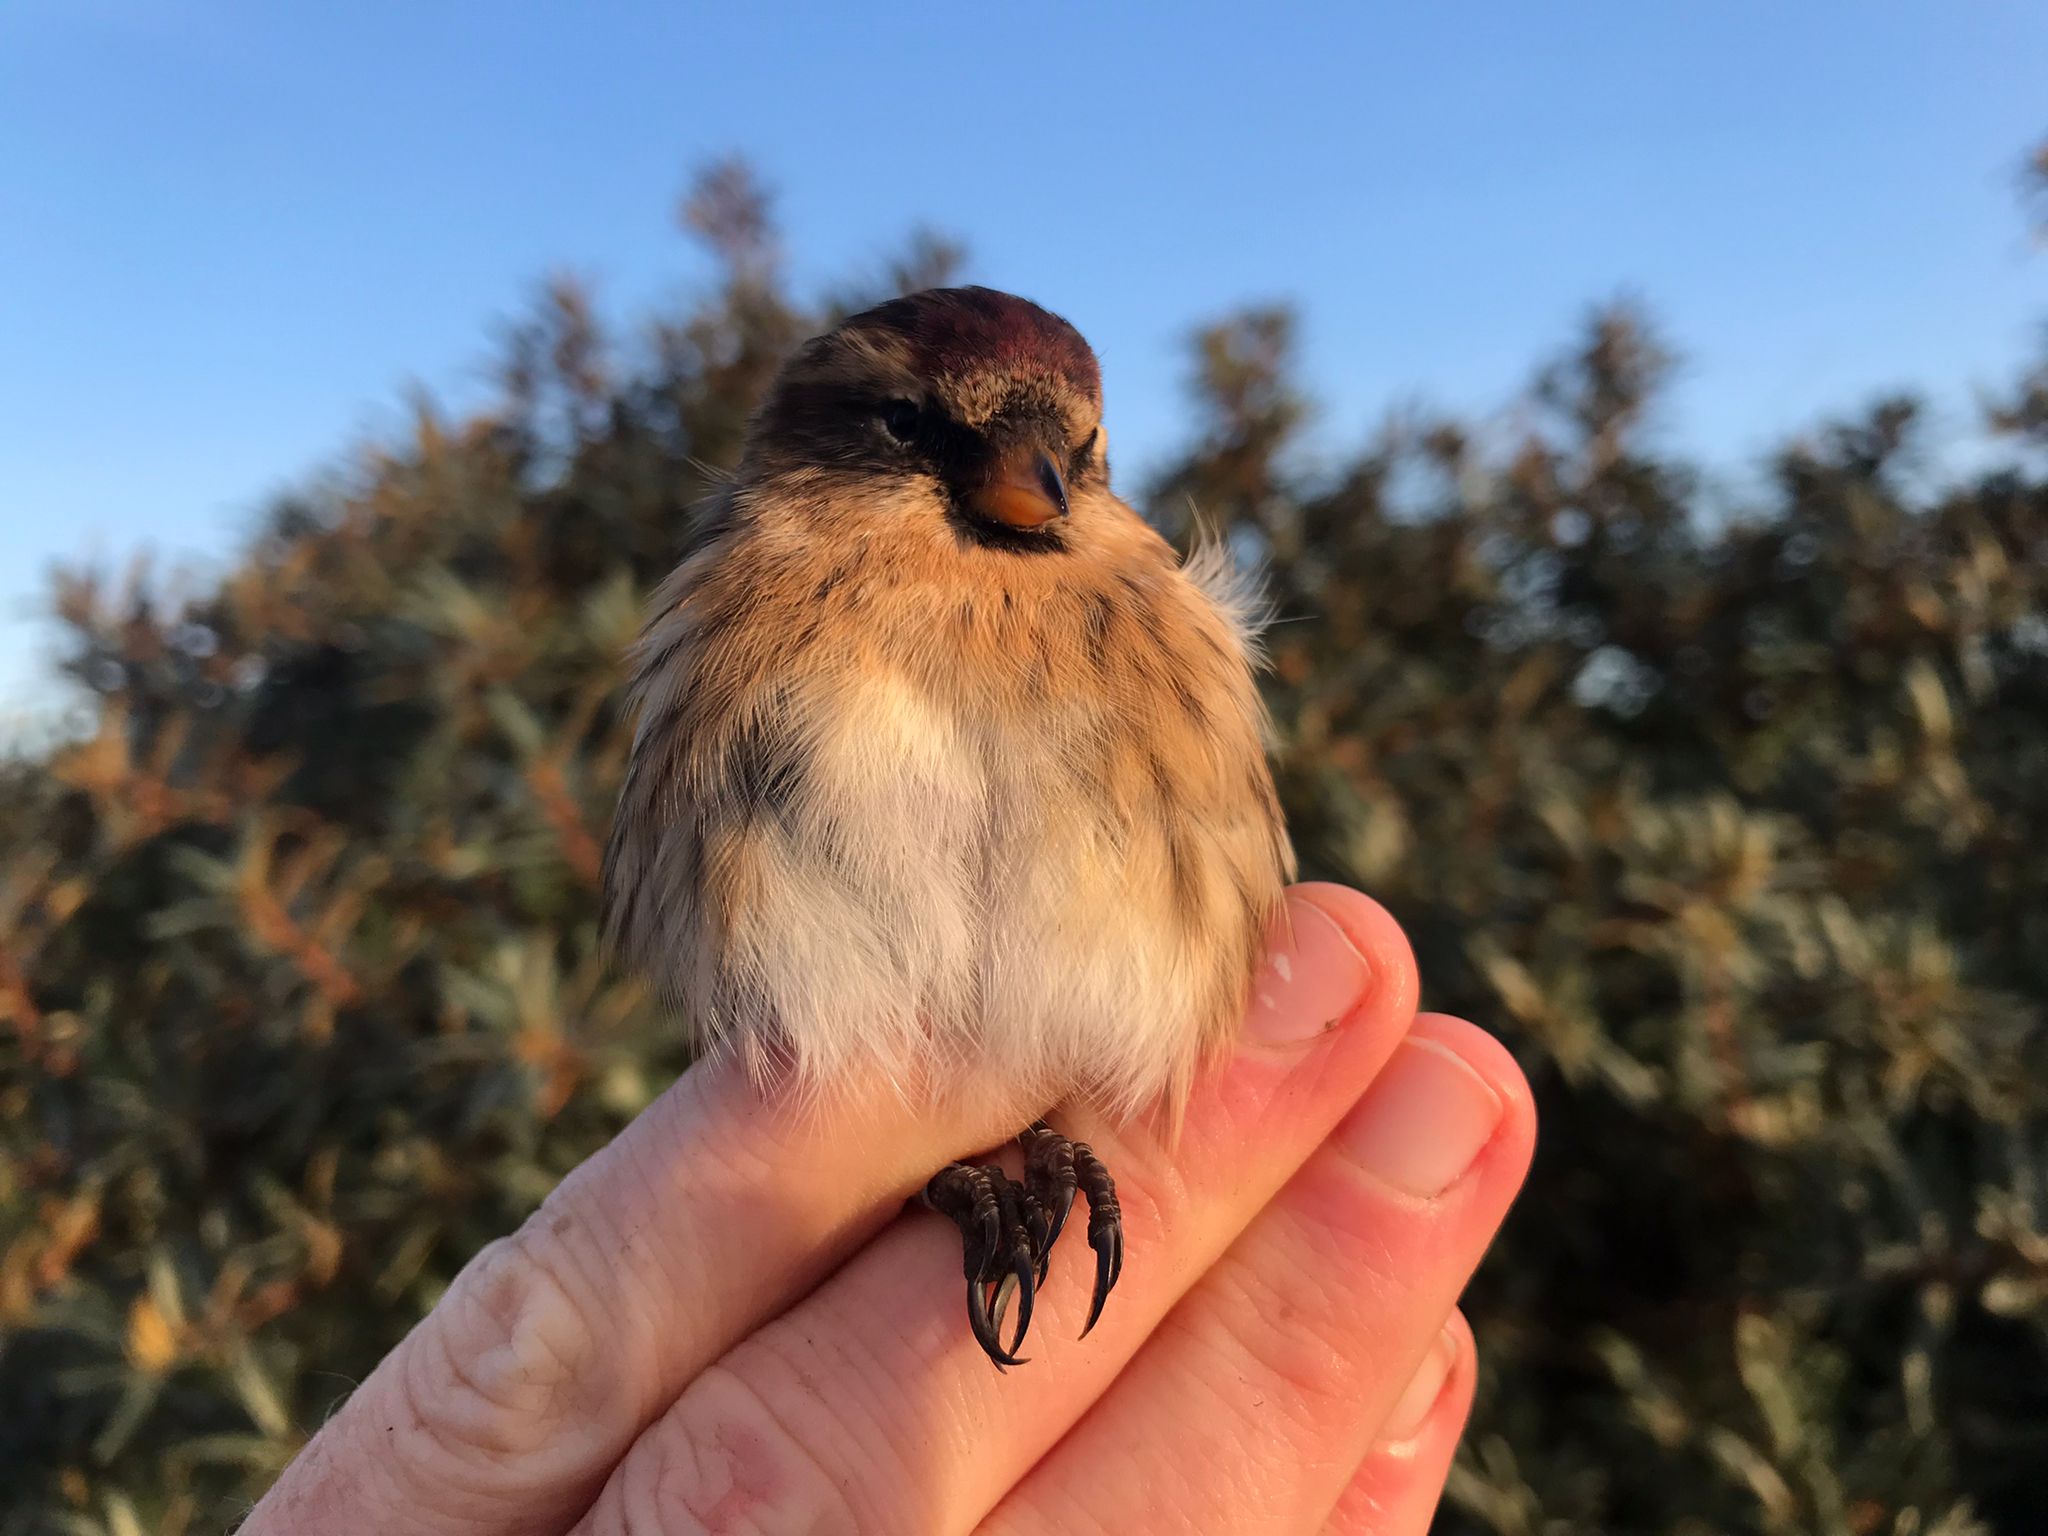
[921, 786]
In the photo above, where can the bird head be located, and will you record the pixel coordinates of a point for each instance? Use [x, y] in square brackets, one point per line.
[975, 408]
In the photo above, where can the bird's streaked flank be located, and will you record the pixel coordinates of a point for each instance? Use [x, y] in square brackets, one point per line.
[946, 762]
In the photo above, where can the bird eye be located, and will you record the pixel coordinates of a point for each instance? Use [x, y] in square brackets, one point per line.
[900, 418]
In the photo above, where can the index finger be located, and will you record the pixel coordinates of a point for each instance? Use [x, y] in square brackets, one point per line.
[505, 1409]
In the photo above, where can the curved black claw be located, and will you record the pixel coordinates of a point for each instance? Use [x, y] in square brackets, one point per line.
[1020, 1214]
[1020, 1284]
[1109, 1266]
[1105, 1227]
[985, 1328]
[995, 1215]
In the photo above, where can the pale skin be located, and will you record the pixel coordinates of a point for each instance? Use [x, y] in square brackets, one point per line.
[723, 1322]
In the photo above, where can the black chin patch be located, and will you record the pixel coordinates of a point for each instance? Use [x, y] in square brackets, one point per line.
[986, 534]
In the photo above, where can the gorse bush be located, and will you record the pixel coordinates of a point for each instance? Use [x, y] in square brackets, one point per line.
[1734, 826]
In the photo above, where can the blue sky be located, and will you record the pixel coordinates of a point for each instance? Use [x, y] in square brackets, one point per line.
[233, 235]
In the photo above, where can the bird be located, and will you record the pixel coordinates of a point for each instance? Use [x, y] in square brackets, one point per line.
[945, 759]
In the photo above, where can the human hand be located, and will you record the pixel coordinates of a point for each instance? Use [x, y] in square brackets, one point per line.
[720, 1323]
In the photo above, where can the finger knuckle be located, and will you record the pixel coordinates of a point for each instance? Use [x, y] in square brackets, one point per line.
[1355, 1242]
[724, 1463]
[1310, 1328]
[515, 1364]
[1318, 1364]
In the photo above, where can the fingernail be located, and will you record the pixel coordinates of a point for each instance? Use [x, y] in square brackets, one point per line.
[1309, 981]
[1423, 1120]
[1422, 1391]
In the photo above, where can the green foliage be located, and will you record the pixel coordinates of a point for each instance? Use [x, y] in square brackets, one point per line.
[1732, 826]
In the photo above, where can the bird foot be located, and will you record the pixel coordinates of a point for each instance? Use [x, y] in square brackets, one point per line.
[1008, 1227]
